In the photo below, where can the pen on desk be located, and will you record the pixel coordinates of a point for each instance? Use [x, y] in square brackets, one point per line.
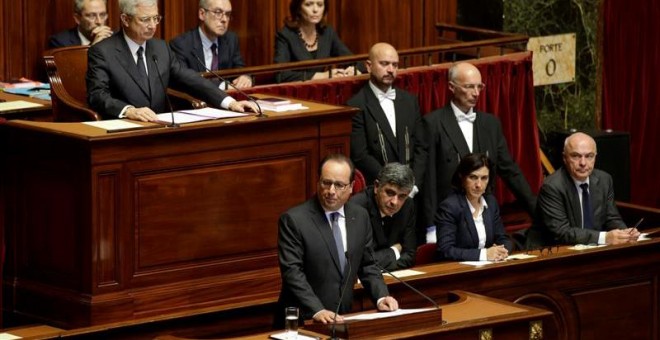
[636, 225]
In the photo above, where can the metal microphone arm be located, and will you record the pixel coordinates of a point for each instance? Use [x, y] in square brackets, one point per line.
[259, 114]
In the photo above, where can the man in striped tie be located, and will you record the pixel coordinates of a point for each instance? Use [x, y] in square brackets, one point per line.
[576, 203]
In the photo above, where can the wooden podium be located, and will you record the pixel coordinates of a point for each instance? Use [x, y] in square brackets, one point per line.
[363, 329]
[106, 227]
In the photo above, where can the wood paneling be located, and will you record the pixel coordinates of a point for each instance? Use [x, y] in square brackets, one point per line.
[26, 26]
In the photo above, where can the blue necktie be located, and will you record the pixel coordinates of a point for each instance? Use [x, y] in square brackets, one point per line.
[336, 232]
[587, 219]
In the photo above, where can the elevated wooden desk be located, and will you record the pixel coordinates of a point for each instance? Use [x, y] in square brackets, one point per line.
[42, 113]
[602, 293]
[105, 227]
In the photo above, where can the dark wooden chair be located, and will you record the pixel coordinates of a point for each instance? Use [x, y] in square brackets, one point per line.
[67, 69]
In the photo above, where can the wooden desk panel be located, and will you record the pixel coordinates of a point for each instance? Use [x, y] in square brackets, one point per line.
[106, 227]
[609, 292]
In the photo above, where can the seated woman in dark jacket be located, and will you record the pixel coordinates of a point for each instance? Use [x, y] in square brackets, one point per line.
[306, 36]
[469, 227]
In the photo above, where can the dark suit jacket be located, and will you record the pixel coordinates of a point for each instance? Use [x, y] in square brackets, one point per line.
[560, 211]
[309, 263]
[365, 146]
[457, 234]
[113, 83]
[229, 54]
[289, 48]
[65, 38]
[447, 146]
[400, 228]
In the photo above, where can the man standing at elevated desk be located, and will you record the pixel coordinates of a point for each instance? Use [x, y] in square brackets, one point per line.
[323, 246]
[392, 215]
[384, 129]
[90, 17]
[211, 42]
[458, 129]
[576, 203]
[123, 70]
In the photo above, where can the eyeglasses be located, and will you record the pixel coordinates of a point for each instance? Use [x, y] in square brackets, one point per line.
[576, 157]
[327, 184]
[150, 20]
[95, 16]
[218, 13]
[471, 87]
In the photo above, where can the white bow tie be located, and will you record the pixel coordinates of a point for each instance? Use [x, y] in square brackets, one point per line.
[467, 117]
[390, 94]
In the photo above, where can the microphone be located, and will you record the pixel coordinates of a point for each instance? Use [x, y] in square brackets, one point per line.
[373, 257]
[169, 103]
[260, 114]
[333, 331]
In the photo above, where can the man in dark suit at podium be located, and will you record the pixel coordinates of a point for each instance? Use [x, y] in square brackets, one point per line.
[384, 129]
[324, 244]
[576, 203]
[458, 129]
[90, 17]
[123, 78]
[211, 42]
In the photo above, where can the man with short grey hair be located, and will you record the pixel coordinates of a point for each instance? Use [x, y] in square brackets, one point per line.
[392, 216]
[124, 72]
[91, 17]
[211, 45]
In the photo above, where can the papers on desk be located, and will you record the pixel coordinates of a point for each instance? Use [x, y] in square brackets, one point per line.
[115, 125]
[644, 237]
[8, 336]
[381, 315]
[585, 246]
[283, 336]
[17, 105]
[198, 115]
[405, 273]
[520, 257]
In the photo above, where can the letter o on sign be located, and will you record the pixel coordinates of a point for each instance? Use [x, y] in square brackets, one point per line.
[551, 67]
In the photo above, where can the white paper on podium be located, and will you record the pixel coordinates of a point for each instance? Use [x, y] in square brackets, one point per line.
[382, 315]
[114, 124]
[405, 273]
[214, 113]
[520, 257]
[477, 263]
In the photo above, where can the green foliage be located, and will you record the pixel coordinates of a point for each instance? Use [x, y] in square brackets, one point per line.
[570, 105]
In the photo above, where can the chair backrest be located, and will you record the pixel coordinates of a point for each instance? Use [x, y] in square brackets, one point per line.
[425, 253]
[67, 69]
[359, 182]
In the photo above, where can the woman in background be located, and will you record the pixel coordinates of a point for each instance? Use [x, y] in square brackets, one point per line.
[469, 227]
[306, 36]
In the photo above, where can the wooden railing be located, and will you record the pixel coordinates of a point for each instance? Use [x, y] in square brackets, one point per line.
[449, 48]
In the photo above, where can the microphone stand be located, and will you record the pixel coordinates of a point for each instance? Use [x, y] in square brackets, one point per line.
[333, 330]
[260, 113]
[169, 103]
[373, 257]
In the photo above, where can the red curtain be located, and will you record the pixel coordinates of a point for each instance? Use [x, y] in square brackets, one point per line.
[631, 92]
[509, 95]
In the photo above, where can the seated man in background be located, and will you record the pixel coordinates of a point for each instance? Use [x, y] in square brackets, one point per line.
[124, 71]
[576, 203]
[90, 17]
[392, 216]
[211, 43]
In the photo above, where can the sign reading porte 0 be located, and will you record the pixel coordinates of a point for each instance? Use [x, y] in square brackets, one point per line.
[553, 59]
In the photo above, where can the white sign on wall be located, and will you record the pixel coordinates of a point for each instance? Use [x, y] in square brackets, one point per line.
[553, 58]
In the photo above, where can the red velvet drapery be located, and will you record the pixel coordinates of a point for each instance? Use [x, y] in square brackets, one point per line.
[631, 91]
[509, 95]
